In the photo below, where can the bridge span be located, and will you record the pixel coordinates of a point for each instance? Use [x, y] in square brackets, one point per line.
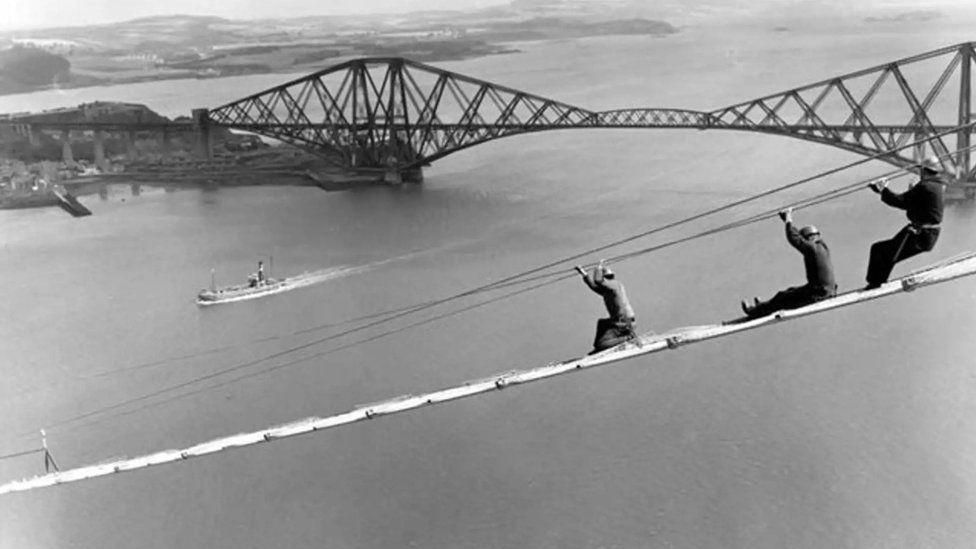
[398, 115]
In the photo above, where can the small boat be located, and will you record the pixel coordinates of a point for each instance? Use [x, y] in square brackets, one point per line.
[257, 285]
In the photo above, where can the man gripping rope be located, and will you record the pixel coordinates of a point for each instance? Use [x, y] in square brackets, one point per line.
[816, 261]
[923, 203]
[619, 326]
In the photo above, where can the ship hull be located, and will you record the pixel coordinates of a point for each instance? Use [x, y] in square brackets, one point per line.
[231, 294]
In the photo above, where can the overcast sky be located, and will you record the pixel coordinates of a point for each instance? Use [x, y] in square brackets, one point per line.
[15, 14]
[24, 14]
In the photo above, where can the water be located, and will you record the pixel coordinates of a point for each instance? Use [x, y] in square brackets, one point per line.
[850, 429]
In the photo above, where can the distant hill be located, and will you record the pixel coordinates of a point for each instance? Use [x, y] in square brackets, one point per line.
[189, 46]
[917, 16]
[559, 27]
[25, 68]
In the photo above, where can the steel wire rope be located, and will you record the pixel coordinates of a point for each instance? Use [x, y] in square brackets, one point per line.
[22, 453]
[214, 350]
[799, 204]
[806, 202]
[733, 204]
[521, 277]
[412, 308]
[315, 355]
[834, 193]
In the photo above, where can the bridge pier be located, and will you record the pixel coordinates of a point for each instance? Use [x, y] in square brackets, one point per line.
[412, 175]
[167, 142]
[394, 176]
[67, 155]
[201, 118]
[98, 150]
[130, 145]
[33, 136]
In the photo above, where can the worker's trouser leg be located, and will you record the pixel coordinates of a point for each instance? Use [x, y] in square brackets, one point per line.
[791, 298]
[785, 299]
[611, 332]
[907, 243]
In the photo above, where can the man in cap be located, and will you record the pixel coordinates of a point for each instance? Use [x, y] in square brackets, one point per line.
[820, 273]
[923, 203]
[619, 326]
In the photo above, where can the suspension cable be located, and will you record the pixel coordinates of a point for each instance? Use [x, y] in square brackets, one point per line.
[645, 344]
[22, 453]
[522, 277]
[735, 203]
[846, 189]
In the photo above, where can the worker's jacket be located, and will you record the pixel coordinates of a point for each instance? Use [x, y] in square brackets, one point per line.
[614, 296]
[816, 261]
[923, 202]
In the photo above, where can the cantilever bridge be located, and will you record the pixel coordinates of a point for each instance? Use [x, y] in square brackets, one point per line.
[398, 115]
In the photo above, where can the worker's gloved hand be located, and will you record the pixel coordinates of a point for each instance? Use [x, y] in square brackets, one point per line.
[786, 215]
[878, 185]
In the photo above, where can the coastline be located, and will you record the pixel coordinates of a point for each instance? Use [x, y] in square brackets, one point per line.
[298, 172]
[91, 82]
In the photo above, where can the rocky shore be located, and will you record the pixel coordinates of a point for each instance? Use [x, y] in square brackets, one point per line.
[31, 167]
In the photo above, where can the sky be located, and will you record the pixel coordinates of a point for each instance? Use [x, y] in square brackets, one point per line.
[27, 14]
[18, 14]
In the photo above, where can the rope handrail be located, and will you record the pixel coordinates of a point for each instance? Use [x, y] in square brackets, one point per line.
[645, 344]
[519, 278]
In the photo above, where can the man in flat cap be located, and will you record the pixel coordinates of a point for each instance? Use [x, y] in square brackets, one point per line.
[923, 203]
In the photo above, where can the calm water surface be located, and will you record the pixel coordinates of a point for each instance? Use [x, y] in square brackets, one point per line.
[852, 429]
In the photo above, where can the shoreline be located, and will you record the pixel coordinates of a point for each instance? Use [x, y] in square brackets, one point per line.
[124, 81]
[97, 184]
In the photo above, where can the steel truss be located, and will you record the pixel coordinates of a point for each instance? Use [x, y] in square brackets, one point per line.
[878, 109]
[400, 114]
[392, 112]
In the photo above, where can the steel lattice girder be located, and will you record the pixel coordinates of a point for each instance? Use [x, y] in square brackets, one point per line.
[392, 112]
[877, 109]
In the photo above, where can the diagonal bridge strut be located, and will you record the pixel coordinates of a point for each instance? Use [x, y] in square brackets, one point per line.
[395, 114]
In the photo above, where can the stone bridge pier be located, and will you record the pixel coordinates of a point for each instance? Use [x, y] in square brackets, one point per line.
[67, 154]
[396, 176]
[201, 121]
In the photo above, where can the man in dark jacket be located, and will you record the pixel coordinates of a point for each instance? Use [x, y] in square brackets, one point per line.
[619, 326]
[820, 273]
[923, 203]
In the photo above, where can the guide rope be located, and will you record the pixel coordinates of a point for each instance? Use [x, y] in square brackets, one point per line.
[523, 278]
[645, 344]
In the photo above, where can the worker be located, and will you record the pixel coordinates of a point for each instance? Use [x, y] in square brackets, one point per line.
[923, 203]
[260, 272]
[816, 261]
[619, 326]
